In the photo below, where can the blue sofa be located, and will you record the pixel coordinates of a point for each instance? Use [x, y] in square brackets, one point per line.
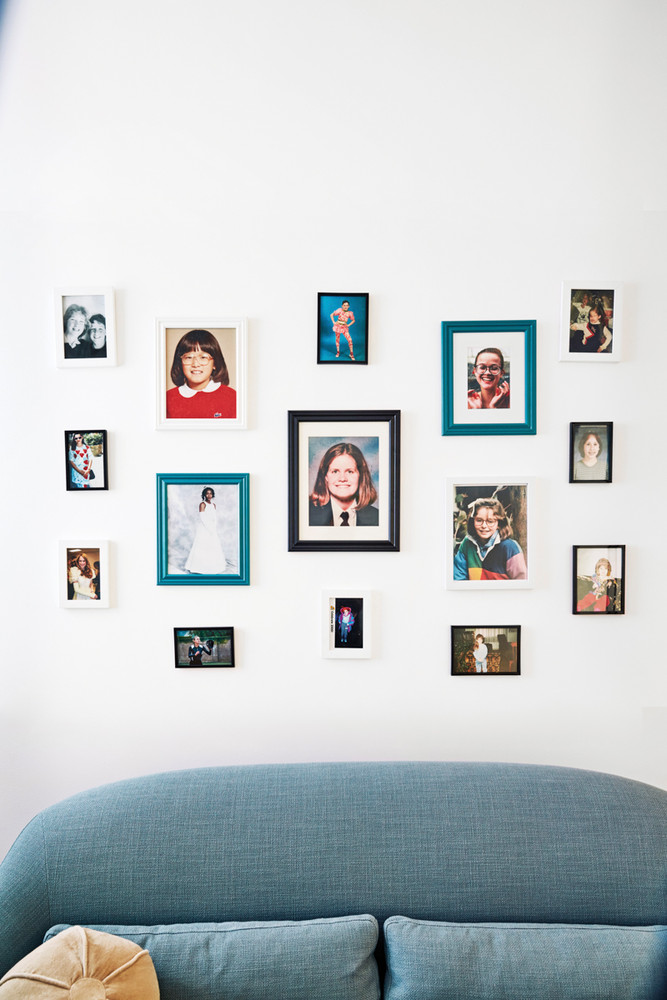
[505, 869]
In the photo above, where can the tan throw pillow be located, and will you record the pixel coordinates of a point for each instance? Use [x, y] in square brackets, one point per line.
[81, 964]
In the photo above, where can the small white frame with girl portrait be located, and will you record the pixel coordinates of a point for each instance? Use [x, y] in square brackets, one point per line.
[580, 341]
[468, 566]
[78, 591]
[227, 410]
[85, 327]
[347, 637]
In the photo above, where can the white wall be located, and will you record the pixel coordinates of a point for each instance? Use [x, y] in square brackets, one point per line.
[455, 160]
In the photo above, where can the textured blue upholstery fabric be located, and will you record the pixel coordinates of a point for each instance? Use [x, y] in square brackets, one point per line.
[294, 960]
[444, 961]
[460, 842]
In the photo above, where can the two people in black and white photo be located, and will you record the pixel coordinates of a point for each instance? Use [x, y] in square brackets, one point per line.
[85, 336]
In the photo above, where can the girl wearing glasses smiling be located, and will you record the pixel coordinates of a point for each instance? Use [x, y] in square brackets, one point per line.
[201, 379]
[489, 370]
[488, 551]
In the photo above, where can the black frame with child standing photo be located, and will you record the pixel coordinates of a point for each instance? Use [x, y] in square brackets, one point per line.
[486, 650]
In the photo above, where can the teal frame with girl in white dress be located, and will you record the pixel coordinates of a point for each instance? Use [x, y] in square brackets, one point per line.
[203, 535]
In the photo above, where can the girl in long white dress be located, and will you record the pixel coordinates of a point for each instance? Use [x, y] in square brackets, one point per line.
[206, 554]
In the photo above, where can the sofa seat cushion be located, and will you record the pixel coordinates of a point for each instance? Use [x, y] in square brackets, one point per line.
[331, 959]
[513, 961]
[82, 964]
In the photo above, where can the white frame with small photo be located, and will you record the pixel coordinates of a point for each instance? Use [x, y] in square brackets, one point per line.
[64, 550]
[89, 300]
[591, 289]
[330, 650]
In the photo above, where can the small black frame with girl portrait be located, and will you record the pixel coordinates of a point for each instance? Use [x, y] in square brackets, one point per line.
[591, 452]
[486, 650]
[342, 328]
[598, 579]
[343, 480]
[86, 461]
[204, 647]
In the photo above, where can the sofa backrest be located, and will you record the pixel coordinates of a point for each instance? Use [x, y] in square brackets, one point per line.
[439, 841]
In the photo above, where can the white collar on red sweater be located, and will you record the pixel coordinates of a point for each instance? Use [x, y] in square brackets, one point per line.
[186, 391]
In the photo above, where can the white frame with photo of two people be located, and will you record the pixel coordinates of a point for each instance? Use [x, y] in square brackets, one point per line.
[581, 339]
[500, 556]
[85, 327]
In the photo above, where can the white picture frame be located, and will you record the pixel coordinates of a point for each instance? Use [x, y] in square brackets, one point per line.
[74, 305]
[77, 590]
[230, 335]
[514, 494]
[347, 623]
[580, 341]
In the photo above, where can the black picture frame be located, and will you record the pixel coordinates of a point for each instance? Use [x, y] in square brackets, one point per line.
[371, 437]
[598, 589]
[333, 345]
[216, 644]
[581, 471]
[503, 658]
[86, 461]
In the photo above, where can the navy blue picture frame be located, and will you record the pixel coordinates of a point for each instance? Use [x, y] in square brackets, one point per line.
[343, 425]
[327, 303]
[527, 329]
[239, 573]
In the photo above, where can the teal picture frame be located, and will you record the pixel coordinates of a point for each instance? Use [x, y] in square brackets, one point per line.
[203, 540]
[463, 409]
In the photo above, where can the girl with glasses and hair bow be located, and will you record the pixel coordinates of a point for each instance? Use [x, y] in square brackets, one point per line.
[489, 370]
[488, 551]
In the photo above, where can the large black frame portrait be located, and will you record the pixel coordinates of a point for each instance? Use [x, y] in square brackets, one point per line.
[343, 462]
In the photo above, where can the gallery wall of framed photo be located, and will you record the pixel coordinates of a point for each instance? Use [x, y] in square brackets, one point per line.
[338, 421]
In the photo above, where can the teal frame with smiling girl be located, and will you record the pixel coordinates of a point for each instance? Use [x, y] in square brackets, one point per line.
[503, 399]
